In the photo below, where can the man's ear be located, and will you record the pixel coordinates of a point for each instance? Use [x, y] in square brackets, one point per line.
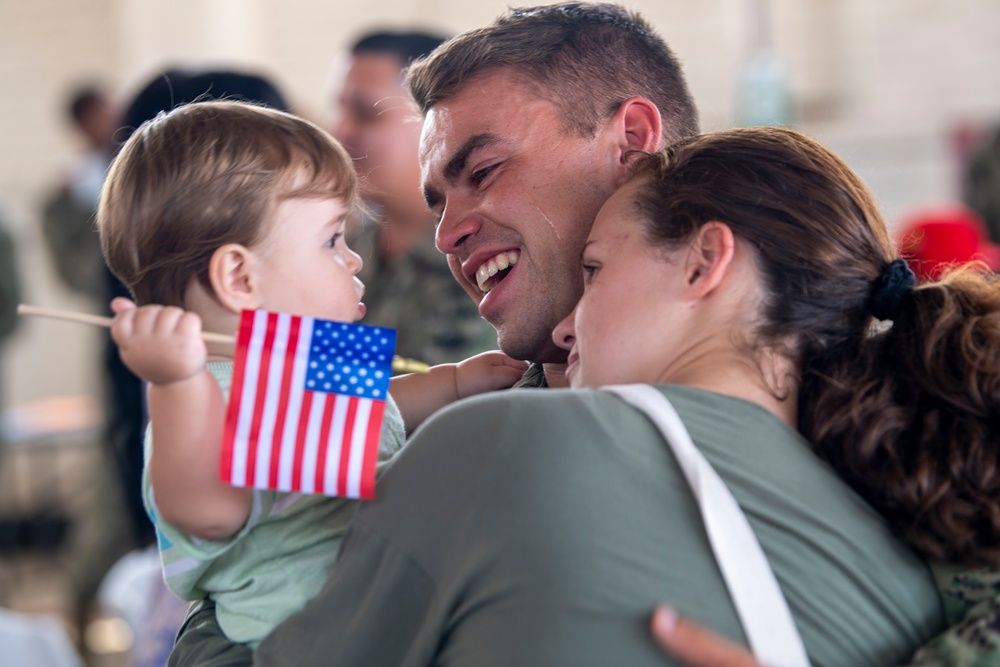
[232, 274]
[638, 129]
[709, 259]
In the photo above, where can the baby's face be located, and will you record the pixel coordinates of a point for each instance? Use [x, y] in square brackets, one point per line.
[304, 265]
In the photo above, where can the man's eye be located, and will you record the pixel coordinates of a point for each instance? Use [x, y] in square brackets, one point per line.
[480, 175]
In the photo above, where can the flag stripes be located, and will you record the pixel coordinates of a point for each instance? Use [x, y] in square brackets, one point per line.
[282, 435]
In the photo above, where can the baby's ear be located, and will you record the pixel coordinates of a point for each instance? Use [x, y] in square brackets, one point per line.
[231, 272]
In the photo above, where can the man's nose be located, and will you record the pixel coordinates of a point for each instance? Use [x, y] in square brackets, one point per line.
[345, 130]
[459, 222]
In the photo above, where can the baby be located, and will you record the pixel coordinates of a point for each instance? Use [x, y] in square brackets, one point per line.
[208, 210]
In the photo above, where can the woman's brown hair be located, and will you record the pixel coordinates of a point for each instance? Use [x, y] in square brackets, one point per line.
[203, 175]
[908, 413]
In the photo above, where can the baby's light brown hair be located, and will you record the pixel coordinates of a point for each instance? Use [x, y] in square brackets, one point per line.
[203, 175]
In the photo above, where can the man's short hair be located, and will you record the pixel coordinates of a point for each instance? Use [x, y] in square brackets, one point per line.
[585, 58]
[203, 175]
[407, 46]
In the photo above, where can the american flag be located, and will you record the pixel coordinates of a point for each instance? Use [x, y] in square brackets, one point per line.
[306, 404]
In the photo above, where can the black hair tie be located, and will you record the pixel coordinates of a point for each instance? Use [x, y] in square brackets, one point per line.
[897, 280]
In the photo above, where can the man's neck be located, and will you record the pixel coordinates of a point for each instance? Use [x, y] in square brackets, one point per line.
[555, 376]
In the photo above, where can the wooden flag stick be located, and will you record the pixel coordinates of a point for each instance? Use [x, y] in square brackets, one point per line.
[399, 364]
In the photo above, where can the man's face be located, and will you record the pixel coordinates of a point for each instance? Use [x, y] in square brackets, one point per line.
[516, 194]
[377, 124]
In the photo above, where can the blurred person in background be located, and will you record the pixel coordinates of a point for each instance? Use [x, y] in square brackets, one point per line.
[408, 284]
[10, 291]
[68, 211]
[982, 182]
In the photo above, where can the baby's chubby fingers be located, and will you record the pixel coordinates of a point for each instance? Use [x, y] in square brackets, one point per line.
[120, 304]
[157, 321]
[160, 344]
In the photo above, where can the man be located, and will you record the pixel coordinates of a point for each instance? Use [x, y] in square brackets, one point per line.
[68, 214]
[408, 285]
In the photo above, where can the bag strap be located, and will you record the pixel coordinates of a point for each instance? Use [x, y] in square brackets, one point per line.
[755, 592]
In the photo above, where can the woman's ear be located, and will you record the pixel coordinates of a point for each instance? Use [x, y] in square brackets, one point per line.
[231, 272]
[709, 259]
[638, 129]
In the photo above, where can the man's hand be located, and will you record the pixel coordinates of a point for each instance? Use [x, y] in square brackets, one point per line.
[485, 372]
[160, 344]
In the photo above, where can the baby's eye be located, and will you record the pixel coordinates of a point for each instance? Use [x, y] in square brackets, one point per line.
[333, 241]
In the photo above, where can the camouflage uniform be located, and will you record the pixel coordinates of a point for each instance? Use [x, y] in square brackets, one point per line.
[971, 599]
[533, 378]
[435, 319]
[10, 283]
[70, 232]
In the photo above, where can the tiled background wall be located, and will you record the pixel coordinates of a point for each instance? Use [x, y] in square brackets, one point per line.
[890, 84]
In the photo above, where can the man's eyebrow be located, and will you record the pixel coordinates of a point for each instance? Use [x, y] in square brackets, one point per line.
[453, 169]
[458, 161]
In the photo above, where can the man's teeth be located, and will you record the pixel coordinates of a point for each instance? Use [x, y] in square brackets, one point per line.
[488, 269]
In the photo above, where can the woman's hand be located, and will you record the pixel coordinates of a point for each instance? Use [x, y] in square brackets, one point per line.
[695, 646]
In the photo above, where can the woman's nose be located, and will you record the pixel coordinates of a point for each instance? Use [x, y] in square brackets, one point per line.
[564, 335]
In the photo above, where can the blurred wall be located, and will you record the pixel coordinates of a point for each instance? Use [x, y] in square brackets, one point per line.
[890, 84]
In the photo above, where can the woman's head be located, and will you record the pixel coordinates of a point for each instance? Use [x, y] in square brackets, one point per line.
[204, 175]
[815, 234]
[795, 212]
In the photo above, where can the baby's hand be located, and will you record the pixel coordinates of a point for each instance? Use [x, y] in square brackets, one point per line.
[160, 344]
[488, 371]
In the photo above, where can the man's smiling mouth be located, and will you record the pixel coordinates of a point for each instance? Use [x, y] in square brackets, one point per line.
[493, 270]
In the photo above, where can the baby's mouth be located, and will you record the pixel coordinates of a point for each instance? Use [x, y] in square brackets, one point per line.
[495, 269]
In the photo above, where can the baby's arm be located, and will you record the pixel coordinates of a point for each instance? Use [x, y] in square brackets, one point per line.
[163, 346]
[419, 395]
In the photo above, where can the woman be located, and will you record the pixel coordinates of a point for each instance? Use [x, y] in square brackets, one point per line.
[541, 528]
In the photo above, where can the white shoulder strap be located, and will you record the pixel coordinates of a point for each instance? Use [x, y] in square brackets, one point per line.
[755, 592]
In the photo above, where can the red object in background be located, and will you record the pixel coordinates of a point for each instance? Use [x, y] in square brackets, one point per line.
[938, 238]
